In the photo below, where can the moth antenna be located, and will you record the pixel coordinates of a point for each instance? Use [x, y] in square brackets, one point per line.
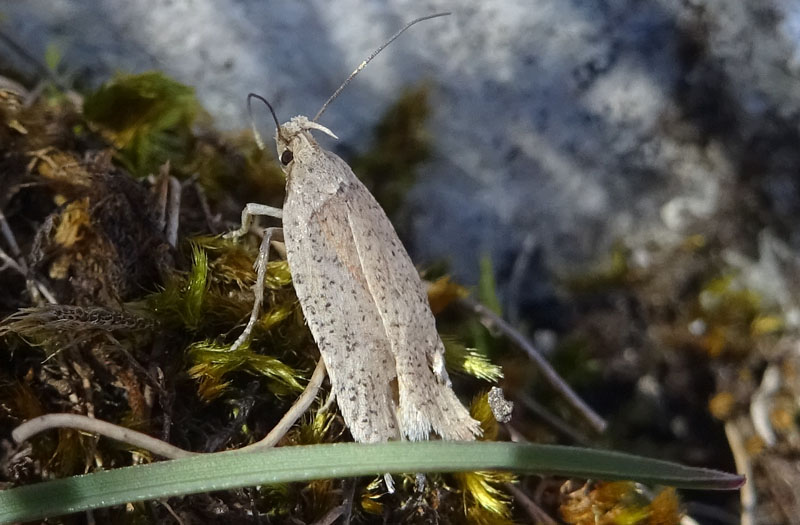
[257, 135]
[369, 59]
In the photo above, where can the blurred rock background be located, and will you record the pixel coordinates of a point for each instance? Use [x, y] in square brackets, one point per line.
[578, 123]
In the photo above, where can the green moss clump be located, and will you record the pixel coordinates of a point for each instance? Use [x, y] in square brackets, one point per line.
[148, 117]
[211, 363]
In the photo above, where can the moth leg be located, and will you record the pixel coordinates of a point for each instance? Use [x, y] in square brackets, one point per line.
[258, 289]
[252, 209]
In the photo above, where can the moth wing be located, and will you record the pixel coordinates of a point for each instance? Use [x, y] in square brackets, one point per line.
[426, 399]
[338, 306]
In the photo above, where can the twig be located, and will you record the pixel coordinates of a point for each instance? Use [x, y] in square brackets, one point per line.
[761, 402]
[35, 285]
[158, 447]
[9, 235]
[33, 95]
[97, 426]
[17, 263]
[514, 435]
[174, 211]
[211, 221]
[331, 516]
[7, 84]
[536, 513]
[171, 511]
[553, 420]
[299, 408]
[518, 271]
[15, 260]
[552, 377]
[350, 494]
[744, 466]
[162, 194]
[169, 204]
[10, 263]
[39, 65]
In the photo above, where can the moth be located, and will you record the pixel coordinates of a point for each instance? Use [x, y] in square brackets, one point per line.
[361, 295]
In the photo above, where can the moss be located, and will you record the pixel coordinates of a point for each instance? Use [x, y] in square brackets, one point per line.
[620, 503]
[484, 500]
[143, 331]
[74, 453]
[212, 363]
[217, 291]
[321, 427]
[733, 317]
[443, 292]
[148, 117]
[58, 327]
[470, 361]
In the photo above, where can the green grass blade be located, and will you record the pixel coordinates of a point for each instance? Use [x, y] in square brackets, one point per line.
[231, 470]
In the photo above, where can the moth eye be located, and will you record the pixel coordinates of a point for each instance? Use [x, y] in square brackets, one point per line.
[286, 157]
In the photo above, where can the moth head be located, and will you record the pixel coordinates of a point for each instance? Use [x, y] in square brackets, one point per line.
[294, 139]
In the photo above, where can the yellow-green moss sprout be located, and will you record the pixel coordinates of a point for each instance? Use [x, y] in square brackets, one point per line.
[211, 362]
[470, 361]
[314, 429]
[484, 502]
[183, 299]
[232, 262]
[442, 292]
[196, 288]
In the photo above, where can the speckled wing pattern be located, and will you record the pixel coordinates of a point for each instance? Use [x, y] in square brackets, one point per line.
[367, 308]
